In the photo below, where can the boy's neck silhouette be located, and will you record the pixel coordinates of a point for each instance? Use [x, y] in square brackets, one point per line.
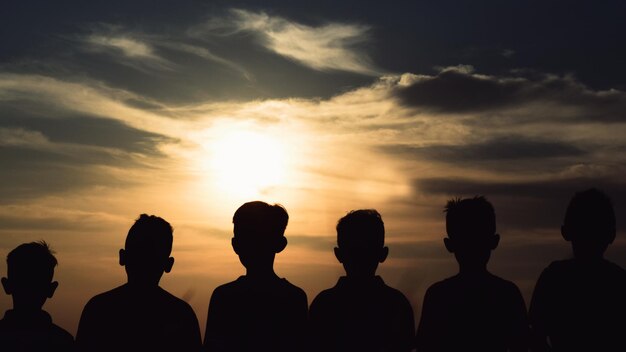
[472, 258]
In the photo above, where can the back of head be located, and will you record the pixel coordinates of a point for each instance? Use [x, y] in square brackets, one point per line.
[470, 218]
[149, 237]
[361, 228]
[590, 219]
[31, 264]
[148, 243]
[260, 222]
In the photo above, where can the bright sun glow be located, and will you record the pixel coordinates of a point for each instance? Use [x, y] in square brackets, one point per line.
[246, 163]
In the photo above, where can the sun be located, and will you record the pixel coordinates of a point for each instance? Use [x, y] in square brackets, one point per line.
[247, 163]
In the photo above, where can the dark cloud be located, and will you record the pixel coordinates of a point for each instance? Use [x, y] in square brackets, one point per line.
[526, 205]
[57, 155]
[511, 148]
[28, 174]
[87, 131]
[455, 90]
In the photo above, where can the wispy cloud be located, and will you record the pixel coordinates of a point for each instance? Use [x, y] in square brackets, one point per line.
[91, 98]
[331, 46]
[207, 55]
[129, 50]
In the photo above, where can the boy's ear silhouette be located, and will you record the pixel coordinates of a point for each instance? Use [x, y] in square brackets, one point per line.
[234, 242]
[281, 243]
[169, 264]
[495, 240]
[565, 233]
[52, 289]
[451, 244]
[6, 284]
[8, 287]
[382, 255]
[122, 257]
[339, 254]
[167, 267]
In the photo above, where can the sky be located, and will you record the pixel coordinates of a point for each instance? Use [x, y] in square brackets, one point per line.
[188, 109]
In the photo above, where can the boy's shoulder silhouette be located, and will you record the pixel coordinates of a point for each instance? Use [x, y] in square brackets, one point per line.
[130, 320]
[362, 316]
[579, 304]
[473, 310]
[27, 327]
[361, 313]
[247, 314]
[258, 311]
[485, 313]
[140, 315]
[581, 307]
[280, 287]
[33, 333]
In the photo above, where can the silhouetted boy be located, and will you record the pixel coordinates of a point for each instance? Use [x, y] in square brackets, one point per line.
[140, 315]
[473, 310]
[26, 327]
[579, 304]
[361, 313]
[259, 311]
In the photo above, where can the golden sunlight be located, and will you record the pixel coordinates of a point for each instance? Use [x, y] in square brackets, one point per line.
[245, 163]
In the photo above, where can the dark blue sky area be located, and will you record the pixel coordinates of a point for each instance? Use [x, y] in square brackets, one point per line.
[561, 37]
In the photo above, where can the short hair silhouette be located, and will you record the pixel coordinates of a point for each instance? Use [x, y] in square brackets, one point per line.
[258, 311]
[579, 304]
[470, 217]
[260, 221]
[589, 222]
[31, 263]
[361, 313]
[473, 310]
[363, 227]
[30, 270]
[140, 315]
[150, 235]
[259, 230]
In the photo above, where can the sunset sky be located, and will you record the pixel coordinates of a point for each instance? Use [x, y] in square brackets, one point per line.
[188, 109]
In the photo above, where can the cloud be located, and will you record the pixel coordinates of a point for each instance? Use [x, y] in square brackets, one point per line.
[207, 55]
[509, 148]
[333, 46]
[31, 130]
[137, 53]
[59, 97]
[457, 90]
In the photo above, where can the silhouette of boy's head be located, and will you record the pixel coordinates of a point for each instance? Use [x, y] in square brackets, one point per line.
[146, 254]
[361, 242]
[259, 230]
[589, 223]
[471, 228]
[30, 268]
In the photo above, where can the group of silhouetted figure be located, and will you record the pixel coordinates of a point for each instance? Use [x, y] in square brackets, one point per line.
[578, 304]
